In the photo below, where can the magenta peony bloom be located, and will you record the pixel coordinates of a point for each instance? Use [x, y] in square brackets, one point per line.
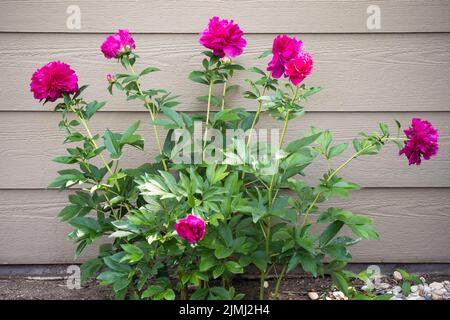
[118, 44]
[223, 37]
[191, 228]
[284, 49]
[423, 141]
[52, 80]
[299, 68]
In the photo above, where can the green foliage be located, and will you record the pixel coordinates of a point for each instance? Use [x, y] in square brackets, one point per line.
[251, 220]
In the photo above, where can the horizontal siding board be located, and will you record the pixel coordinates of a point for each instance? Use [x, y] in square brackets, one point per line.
[31, 139]
[380, 72]
[255, 16]
[413, 224]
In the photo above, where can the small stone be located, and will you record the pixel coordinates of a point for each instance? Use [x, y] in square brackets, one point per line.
[313, 295]
[424, 281]
[398, 276]
[436, 297]
[439, 292]
[397, 289]
[384, 285]
[426, 290]
[266, 284]
[339, 295]
[397, 297]
[428, 297]
[414, 289]
[436, 286]
[415, 297]
[446, 296]
[328, 298]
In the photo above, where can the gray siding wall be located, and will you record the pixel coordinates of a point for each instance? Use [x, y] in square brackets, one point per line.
[397, 72]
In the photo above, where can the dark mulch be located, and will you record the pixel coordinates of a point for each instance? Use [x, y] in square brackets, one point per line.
[294, 288]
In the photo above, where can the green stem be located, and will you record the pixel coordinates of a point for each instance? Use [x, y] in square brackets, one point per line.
[280, 277]
[183, 293]
[152, 116]
[255, 119]
[208, 111]
[343, 165]
[91, 137]
[280, 145]
[274, 176]
[224, 92]
[261, 285]
[94, 144]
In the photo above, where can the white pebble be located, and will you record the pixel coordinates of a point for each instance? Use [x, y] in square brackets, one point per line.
[398, 276]
[436, 285]
[397, 289]
[385, 285]
[436, 296]
[313, 295]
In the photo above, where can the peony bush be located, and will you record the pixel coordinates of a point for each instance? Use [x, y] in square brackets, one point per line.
[216, 202]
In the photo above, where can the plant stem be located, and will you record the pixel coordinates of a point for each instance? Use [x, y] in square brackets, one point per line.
[335, 172]
[94, 144]
[261, 285]
[158, 141]
[280, 277]
[91, 138]
[280, 145]
[183, 293]
[274, 176]
[208, 111]
[224, 92]
[255, 119]
[153, 117]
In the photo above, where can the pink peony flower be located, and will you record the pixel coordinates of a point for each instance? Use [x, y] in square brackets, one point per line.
[299, 68]
[118, 44]
[284, 49]
[191, 228]
[223, 37]
[52, 80]
[423, 141]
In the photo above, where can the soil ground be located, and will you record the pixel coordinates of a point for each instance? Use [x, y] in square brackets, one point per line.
[295, 288]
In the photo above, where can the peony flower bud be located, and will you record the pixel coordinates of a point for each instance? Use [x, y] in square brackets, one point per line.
[111, 79]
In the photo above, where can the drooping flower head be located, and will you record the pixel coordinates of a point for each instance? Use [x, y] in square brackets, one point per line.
[298, 68]
[423, 141]
[191, 228]
[119, 43]
[224, 37]
[284, 49]
[53, 80]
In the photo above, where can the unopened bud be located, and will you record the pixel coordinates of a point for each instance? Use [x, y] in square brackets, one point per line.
[226, 60]
[110, 78]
